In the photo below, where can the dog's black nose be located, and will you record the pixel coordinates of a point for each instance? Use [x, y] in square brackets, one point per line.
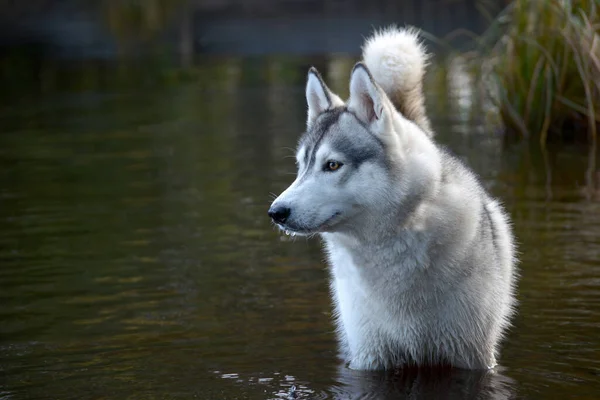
[279, 214]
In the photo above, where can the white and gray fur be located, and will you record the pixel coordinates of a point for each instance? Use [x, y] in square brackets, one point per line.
[422, 258]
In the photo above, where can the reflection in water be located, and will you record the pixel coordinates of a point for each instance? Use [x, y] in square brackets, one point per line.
[412, 384]
[424, 384]
[138, 261]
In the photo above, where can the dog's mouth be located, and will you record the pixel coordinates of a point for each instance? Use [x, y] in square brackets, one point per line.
[295, 230]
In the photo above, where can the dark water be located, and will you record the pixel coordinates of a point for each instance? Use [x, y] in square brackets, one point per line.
[137, 260]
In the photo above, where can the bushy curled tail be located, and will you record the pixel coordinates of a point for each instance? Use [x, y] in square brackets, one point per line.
[397, 59]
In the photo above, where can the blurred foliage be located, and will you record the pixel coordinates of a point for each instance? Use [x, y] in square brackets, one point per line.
[543, 61]
[139, 19]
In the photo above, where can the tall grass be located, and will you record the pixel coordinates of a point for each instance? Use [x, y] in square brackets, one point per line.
[543, 62]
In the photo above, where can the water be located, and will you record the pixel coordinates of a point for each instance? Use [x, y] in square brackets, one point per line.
[137, 260]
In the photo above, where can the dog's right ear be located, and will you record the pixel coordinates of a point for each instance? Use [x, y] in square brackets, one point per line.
[318, 96]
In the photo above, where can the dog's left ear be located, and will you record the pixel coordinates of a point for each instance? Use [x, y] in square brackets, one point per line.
[318, 96]
[366, 97]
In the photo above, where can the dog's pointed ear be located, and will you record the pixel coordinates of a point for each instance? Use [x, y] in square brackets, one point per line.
[318, 96]
[366, 98]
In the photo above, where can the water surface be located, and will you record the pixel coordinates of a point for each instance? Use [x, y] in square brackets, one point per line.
[137, 260]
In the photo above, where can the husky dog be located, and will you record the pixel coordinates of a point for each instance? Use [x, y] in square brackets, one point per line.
[422, 258]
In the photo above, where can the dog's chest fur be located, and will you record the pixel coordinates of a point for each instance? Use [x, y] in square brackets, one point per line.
[395, 306]
[384, 296]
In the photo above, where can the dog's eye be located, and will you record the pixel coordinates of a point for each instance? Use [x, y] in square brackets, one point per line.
[332, 165]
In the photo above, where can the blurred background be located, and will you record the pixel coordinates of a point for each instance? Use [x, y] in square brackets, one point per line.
[140, 143]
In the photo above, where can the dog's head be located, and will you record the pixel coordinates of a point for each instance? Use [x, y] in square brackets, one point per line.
[352, 161]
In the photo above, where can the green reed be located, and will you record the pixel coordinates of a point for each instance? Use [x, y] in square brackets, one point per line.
[542, 62]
